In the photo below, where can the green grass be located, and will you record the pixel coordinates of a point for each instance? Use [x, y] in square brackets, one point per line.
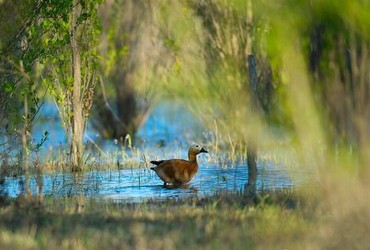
[219, 222]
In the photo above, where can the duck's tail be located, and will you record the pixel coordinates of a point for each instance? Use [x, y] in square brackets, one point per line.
[156, 162]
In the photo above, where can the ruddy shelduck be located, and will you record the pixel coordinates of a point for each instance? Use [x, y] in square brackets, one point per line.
[178, 171]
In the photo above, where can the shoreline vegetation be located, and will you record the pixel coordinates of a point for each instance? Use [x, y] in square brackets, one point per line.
[276, 220]
[82, 223]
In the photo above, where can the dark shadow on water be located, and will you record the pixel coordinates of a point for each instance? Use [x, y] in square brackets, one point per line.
[184, 187]
[138, 187]
[161, 187]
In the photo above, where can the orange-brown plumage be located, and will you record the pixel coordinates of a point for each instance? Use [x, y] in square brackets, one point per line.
[177, 171]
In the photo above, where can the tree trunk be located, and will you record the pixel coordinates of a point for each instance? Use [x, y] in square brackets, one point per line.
[126, 106]
[250, 189]
[129, 110]
[25, 162]
[77, 116]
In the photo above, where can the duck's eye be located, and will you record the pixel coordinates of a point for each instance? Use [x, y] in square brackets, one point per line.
[197, 146]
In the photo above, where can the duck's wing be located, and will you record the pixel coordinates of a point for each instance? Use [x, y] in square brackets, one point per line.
[175, 171]
[175, 167]
[166, 170]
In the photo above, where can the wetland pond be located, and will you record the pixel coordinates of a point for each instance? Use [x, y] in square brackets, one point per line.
[139, 183]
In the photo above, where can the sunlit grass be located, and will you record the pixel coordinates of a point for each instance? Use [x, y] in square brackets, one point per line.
[121, 155]
[205, 223]
[278, 220]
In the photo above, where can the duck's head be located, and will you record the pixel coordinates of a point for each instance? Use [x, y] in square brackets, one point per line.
[196, 149]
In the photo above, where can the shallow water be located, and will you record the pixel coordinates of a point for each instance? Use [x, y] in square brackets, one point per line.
[166, 128]
[142, 184]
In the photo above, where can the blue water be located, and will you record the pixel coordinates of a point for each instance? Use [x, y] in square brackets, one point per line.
[142, 184]
[172, 127]
[169, 123]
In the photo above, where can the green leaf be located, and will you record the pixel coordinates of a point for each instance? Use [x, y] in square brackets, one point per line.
[9, 87]
[69, 80]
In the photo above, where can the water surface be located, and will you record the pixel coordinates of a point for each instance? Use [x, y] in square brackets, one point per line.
[142, 184]
[164, 135]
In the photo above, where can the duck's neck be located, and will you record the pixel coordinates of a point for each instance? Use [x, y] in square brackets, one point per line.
[192, 157]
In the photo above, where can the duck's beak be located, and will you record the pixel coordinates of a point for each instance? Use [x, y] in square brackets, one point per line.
[203, 151]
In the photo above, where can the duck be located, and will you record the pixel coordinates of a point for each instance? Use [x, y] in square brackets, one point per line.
[178, 171]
